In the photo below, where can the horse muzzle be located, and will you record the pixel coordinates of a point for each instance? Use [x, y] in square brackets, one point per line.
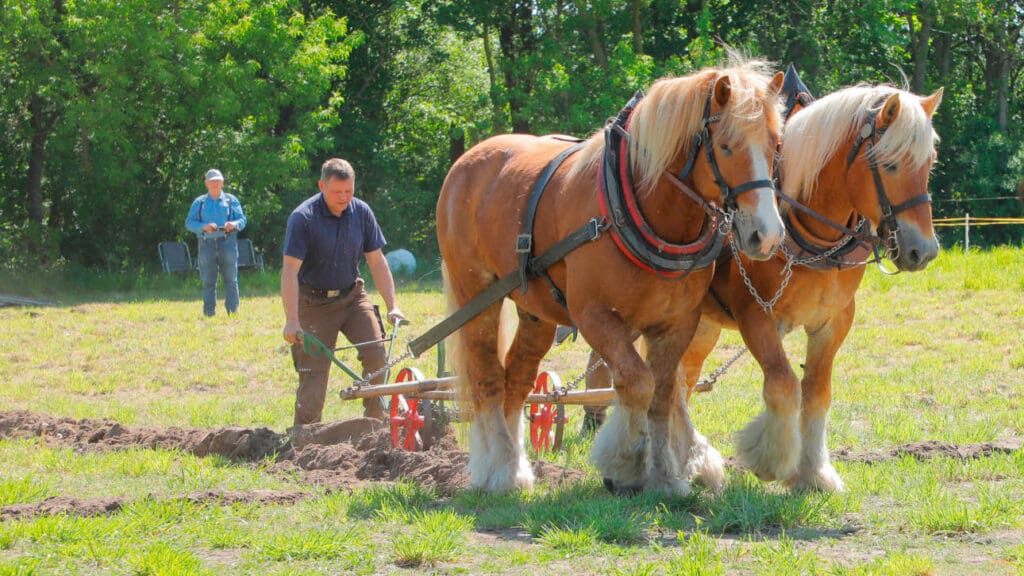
[908, 248]
[758, 233]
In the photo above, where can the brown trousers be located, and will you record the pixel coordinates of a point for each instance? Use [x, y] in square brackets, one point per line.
[351, 314]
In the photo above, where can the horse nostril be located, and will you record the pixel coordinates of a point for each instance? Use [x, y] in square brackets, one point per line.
[914, 256]
[754, 240]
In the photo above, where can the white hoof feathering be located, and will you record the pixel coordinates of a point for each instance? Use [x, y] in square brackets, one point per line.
[621, 449]
[698, 459]
[666, 475]
[494, 464]
[770, 446]
[816, 472]
[524, 471]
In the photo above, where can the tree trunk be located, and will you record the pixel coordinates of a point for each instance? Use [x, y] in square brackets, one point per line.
[919, 43]
[37, 158]
[497, 119]
[638, 27]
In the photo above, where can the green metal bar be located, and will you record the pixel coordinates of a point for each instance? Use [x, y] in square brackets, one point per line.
[314, 347]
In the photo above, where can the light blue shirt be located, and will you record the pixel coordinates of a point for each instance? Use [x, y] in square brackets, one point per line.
[205, 210]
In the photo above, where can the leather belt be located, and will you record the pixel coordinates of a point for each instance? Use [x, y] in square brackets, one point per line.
[324, 292]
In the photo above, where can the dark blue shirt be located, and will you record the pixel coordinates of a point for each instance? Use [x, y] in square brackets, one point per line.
[330, 246]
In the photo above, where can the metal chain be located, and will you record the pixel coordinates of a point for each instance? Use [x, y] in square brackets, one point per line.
[787, 272]
[708, 383]
[366, 380]
[576, 381]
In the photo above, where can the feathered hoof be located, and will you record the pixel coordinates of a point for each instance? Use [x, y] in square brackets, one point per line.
[824, 479]
[610, 486]
[770, 447]
[706, 467]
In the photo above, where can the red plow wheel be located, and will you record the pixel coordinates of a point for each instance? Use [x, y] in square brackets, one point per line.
[542, 416]
[405, 419]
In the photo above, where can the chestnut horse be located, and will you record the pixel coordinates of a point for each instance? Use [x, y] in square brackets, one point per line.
[855, 161]
[731, 116]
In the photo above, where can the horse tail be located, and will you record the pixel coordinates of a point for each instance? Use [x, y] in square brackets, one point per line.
[508, 324]
[454, 350]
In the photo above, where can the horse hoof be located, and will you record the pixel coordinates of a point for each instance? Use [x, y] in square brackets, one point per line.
[610, 486]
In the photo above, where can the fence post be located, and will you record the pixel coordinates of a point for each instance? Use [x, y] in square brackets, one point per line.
[967, 233]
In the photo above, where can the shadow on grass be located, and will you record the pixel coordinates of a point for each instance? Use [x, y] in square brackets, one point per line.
[745, 508]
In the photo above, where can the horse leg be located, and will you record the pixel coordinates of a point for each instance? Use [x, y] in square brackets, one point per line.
[668, 411]
[493, 462]
[770, 445]
[815, 470]
[533, 340]
[703, 462]
[621, 451]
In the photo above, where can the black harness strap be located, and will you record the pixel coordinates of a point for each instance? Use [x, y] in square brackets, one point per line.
[524, 242]
[587, 233]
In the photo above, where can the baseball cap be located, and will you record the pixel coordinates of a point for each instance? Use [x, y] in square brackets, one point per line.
[214, 175]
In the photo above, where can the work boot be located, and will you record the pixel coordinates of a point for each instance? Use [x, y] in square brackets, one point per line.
[374, 408]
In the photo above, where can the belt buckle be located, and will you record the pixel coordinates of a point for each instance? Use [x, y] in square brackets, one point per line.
[332, 293]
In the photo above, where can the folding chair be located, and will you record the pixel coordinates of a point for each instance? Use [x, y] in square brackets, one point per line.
[247, 256]
[175, 257]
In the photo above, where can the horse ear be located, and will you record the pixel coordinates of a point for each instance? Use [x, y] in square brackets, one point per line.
[723, 88]
[932, 102]
[890, 110]
[775, 86]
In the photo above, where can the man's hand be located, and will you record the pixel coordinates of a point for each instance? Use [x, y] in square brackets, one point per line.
[395, 316]
[230, 227]
[293, 332]
[210, 227]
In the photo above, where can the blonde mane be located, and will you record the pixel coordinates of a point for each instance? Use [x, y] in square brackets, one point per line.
[812, 137]
[670, 115]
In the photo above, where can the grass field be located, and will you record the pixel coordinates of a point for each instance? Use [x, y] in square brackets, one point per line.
[936, 355]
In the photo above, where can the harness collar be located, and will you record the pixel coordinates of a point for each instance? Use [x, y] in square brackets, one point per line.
[630, 230]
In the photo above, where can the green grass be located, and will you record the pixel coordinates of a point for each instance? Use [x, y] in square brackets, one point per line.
[936, 355]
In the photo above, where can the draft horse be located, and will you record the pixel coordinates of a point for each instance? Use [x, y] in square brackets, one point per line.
[854, 175]
[687, 161]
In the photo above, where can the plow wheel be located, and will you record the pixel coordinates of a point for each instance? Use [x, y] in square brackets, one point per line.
[405, 417]
[547, 415]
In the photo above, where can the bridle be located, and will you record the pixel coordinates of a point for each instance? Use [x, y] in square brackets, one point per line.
[888, 225]
[703, 139]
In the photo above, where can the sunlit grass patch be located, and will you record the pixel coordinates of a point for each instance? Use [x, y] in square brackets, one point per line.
[287, 544]
[783, 557]
[162, 559]
[893, 564]
[615, 520]
[698, 556]
[432, 537]
[569, 541]
[390, 500]
[748, 505]
[22, 490]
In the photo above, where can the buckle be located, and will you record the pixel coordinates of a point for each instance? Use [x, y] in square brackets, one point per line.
[524, 243]
[332, 293]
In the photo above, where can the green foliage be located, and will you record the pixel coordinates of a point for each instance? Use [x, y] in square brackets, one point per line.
[111, 111]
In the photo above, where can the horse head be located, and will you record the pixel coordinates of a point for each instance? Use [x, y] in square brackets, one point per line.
[893, 170]
[717, 131]
[874, 148]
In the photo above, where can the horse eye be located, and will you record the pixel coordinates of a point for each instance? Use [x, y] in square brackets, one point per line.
[891, 166]
[725, 148]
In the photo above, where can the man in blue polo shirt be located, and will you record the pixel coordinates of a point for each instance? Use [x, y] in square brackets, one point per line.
[326, 237]
[214, 218]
